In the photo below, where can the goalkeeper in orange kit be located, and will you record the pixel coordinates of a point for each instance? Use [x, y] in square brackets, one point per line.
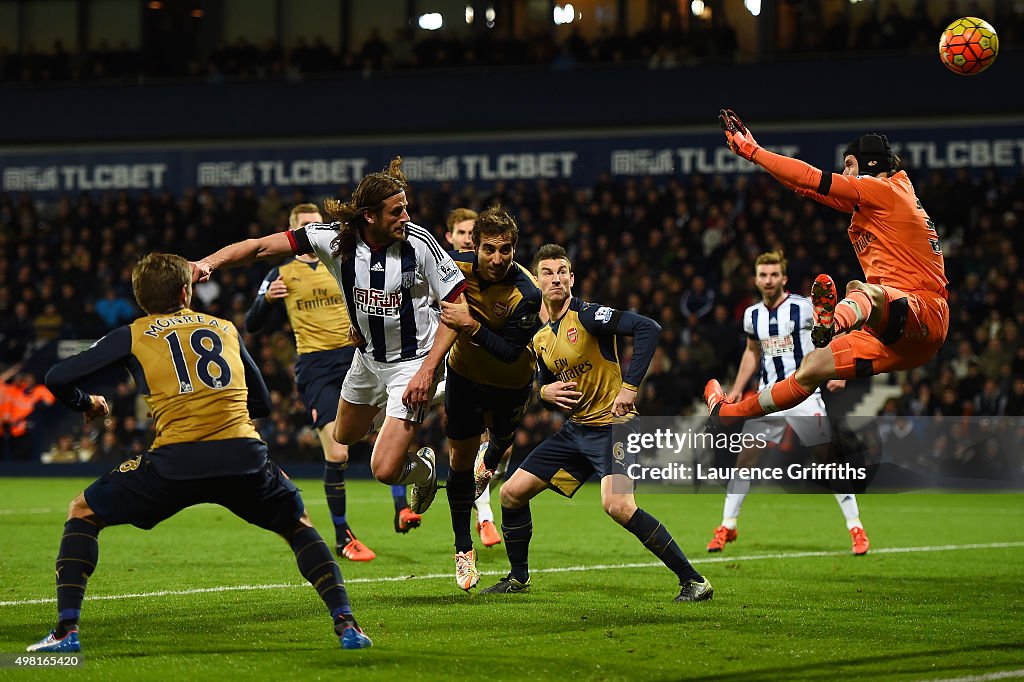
[898, 317]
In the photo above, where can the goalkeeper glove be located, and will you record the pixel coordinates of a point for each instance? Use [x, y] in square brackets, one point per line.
[741, 142]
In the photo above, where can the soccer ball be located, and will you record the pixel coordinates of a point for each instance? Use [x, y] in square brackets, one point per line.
[968, 46]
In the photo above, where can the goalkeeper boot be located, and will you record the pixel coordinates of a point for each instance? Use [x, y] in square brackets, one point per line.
[692, 590]
[860, 541]
[68, 644]
[422, 494]
[507, 585]
[722, 536]
[823, 300]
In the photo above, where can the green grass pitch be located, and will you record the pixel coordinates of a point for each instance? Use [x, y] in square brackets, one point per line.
[939, 596]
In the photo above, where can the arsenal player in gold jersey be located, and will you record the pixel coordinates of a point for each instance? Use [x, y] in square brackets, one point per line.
[579, 369]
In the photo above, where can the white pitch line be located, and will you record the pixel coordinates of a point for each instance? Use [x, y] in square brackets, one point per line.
[986, 677]
[15, 512]
[556, 569]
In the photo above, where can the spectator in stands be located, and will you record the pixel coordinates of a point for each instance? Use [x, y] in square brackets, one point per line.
[698, 300]
[990, 402]
[109, 450]
[62, 452]
[19, 332]
[114, 309]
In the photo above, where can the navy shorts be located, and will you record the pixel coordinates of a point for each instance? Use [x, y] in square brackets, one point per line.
[567, 459]
[319, 377]
[471, 407]
[135, 493]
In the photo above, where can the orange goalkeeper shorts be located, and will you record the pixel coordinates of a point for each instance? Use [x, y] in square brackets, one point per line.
[913, 328]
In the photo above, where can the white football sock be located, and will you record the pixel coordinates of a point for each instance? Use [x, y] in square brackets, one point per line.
[417, 470]
[848, 504]
[735, 492]
[483, 507]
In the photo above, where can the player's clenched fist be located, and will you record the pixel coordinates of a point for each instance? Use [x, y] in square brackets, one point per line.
[625, 402]
[561, 393]
[201, 271]
[97, 407]
[277, 289]
[741, 142]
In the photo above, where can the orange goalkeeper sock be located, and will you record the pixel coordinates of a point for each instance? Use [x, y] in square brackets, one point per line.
[777, 397]
[847, 316]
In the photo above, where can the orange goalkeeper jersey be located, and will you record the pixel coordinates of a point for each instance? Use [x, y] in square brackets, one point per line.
[895, 240]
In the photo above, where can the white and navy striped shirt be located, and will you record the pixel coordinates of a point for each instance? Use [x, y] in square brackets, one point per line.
[784, 333]
[391, 293]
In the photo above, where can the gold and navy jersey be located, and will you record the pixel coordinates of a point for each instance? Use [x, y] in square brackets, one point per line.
[316, 309]
[195, 374]
[582, 346]
[497, 354]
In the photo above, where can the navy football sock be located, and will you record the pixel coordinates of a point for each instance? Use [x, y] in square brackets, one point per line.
[317, 565]
[76, 560]
[656, 538]
[399, 498]
[342, 621]
[496, 447]
[334, 489]
[460, 491]
[517, 529]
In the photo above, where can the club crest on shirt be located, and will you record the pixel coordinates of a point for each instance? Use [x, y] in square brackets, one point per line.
[500, 309]
[572, 335]
[408, 279]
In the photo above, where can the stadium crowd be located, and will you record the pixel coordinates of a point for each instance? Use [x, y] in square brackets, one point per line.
[674, 41]
[679, 251]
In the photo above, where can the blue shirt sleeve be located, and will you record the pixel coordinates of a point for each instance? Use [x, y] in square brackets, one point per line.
[63, 378]
[602, 320]
[258, 313]
[258, 398]
[508, 344]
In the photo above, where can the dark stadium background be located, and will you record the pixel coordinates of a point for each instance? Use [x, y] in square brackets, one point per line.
[90, 85]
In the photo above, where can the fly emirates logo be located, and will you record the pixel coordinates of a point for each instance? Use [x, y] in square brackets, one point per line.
[378, 303]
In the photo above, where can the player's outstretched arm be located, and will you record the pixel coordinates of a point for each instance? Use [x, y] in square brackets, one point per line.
[64, 377]
[240, 253]
[830, 189]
